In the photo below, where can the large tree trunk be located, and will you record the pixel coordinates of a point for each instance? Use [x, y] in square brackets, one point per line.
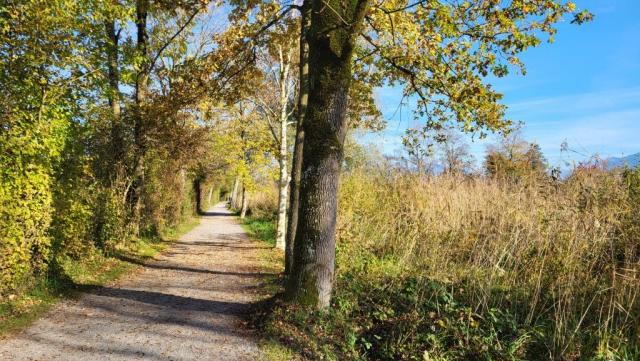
[331, 38]
[142, 79]
[296, 165]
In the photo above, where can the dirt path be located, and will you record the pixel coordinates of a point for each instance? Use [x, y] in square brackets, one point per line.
[185, 305]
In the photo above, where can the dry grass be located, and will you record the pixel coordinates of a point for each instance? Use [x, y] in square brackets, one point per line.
[562, 257]
[263, 202]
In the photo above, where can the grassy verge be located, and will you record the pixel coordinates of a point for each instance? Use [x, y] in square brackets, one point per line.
[263, 230]
[95, 270]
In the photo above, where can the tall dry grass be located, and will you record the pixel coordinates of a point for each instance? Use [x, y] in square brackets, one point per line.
[563, 257]
[263, 201]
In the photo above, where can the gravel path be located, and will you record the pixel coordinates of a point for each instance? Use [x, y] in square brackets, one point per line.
[185, 305]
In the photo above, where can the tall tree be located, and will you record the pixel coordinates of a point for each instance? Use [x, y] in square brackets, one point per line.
[275, 101]
[296, 164]
[141, 85]
[331, 37]
[455, 157]
[441, 50]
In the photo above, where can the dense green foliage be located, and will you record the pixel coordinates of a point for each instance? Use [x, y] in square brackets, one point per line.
[34, 128]
[67, 159]
[261, 228]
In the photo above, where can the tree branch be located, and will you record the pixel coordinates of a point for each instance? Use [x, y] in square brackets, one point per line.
[184, 26]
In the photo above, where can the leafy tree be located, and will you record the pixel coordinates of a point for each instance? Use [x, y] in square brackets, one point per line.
[420, 151]
[275, 100]
[515, 159]
[441, 50]
[39, 73]
[73, 131]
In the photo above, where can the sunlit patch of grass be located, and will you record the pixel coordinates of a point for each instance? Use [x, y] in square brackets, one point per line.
[273, 350]
[173, 233]
[263, 229]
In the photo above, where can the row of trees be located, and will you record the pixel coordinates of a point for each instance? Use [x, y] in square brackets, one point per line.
[441, 51]
[511, 158]
[142, 97]
[103, 137]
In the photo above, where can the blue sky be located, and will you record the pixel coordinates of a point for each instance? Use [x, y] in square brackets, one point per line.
[583, 88]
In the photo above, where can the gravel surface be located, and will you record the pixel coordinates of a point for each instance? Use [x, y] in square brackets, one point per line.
[185, 305]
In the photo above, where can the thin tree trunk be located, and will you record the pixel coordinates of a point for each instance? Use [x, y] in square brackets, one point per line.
[331, 37]
[114, 95]
[245, 202]
[281, 226]
[296, 166]
[234, 193]
[197, 187]
[142, 79]
[209, 197]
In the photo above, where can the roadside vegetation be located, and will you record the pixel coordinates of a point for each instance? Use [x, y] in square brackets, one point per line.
[510, 266]
[94, 175]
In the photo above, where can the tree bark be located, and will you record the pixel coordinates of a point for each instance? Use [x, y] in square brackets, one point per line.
[114, 95]
[245, 202]
[331, 38]
[209, 197]
[281, 226]
[197, 187]
[234, 193]
[296, 165]
[142, 79]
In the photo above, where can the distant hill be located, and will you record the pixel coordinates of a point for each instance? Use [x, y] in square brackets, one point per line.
[631, 161]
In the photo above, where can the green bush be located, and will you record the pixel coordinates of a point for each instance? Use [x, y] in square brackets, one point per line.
[29, 148]
[73, 190]
[110, 223]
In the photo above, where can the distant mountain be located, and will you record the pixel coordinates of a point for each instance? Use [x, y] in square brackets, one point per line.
[631, 161]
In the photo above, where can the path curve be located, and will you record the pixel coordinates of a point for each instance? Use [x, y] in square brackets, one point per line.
[185, 305]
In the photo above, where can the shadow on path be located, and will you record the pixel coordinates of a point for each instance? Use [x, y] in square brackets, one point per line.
[217, 244]
[216, 214]
[170, 301]
[156, 265]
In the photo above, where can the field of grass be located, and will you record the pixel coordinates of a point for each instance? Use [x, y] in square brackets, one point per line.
[474, 269]
[41, 293]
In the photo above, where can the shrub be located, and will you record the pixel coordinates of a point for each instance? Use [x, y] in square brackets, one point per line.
[29, 148]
